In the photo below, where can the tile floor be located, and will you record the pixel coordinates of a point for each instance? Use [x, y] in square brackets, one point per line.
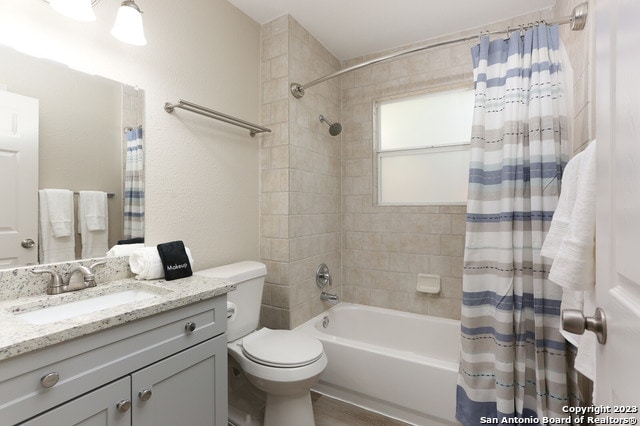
[327, 411]
[332, 412]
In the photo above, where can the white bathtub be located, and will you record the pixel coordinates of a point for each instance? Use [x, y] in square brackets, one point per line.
[399, 364]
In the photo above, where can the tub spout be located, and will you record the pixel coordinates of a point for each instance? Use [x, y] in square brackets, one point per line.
[333, 298]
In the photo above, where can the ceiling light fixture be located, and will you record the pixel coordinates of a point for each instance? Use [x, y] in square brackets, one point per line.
[80, 10]
[128, 26]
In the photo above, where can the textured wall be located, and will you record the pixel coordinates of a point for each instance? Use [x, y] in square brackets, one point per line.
[202, 181]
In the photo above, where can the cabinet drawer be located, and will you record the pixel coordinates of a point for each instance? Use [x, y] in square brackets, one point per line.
[96, 407]
[85, 363]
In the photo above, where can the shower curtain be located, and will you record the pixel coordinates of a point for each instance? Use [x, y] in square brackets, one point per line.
[134, 185]
[512, 353]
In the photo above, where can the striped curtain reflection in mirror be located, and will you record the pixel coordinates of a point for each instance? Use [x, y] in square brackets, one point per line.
[134, 185]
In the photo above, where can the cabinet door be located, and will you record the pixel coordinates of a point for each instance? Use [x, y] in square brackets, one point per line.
[189, 388]
[97, 408]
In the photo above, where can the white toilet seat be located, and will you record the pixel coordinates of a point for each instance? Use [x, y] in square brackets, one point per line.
[281, 348]
[277, 374]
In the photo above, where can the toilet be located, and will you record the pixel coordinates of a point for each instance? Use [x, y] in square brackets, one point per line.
[282, 363]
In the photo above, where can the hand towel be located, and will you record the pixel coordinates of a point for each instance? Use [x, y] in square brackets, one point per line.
[50, 248]
[146, 263]
[558, 230]
[574, 262]
[562, 215]
[60, 210]
[123, 249]
[571, 244]
[174, 260]
[92, 210]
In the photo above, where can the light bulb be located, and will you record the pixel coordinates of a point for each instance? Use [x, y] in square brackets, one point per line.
[128, 26]
[80, 10]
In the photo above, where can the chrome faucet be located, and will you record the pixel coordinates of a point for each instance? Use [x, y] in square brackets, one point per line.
[88, 277]
[60, 284]
[333, 298]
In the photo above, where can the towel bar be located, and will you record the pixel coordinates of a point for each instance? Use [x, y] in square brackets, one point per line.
[109, 194]
[207, 112]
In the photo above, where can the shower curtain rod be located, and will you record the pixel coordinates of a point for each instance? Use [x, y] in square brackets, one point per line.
[198, 109]
[577, 21]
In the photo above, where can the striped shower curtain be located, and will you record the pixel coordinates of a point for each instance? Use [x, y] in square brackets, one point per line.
[134, 185]
[512, 354]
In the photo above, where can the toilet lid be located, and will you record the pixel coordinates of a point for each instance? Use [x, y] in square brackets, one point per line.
[281, 348]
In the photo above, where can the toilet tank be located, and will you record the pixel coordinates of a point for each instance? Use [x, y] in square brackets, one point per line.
[245, 299]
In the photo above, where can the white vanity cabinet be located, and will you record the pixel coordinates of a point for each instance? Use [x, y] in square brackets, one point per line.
[167, 369]
[182, 389]
[93, 409]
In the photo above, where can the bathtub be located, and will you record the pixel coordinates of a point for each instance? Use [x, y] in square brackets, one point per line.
[399, 364]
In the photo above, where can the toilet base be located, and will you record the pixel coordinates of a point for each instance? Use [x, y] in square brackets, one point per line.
[289, 410]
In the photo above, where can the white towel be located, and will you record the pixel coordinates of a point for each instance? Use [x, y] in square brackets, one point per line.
[123, 249]
[60, 210]
[562, 215]
[571, 244]
[92, 210]
[146, 264]
[574, 263]
[51, 248]
[93, 217]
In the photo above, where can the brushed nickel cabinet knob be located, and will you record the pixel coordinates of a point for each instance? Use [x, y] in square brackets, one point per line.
[123, 406]
[145, 394]
[49, 380]
[190, 327]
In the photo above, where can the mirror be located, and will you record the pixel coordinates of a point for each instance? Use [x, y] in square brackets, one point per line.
[82, 121]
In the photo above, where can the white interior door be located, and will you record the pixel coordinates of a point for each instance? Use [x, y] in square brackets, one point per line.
[618, 197]
[18, 180]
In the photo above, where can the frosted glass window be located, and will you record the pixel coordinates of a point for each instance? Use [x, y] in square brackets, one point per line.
[418, 178]
[423, 148]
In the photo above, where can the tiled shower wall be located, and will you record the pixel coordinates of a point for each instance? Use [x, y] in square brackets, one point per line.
[318, 194]
[300, 175]
[386, 247]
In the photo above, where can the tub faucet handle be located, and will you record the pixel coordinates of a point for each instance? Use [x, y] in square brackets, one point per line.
[323, 277]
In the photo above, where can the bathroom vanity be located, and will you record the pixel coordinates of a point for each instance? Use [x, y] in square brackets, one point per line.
[158, 361]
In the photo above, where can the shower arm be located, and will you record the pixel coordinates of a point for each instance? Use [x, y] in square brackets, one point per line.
[577, 21]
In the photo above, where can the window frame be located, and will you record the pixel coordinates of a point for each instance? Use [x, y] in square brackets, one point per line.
[379, 154]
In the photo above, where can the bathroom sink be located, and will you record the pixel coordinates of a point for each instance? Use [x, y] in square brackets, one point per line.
[69, 309]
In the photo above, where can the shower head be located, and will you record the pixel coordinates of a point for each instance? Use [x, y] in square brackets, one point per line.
[334, 128]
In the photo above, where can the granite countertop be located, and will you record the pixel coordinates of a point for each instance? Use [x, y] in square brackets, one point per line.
[18, 336]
